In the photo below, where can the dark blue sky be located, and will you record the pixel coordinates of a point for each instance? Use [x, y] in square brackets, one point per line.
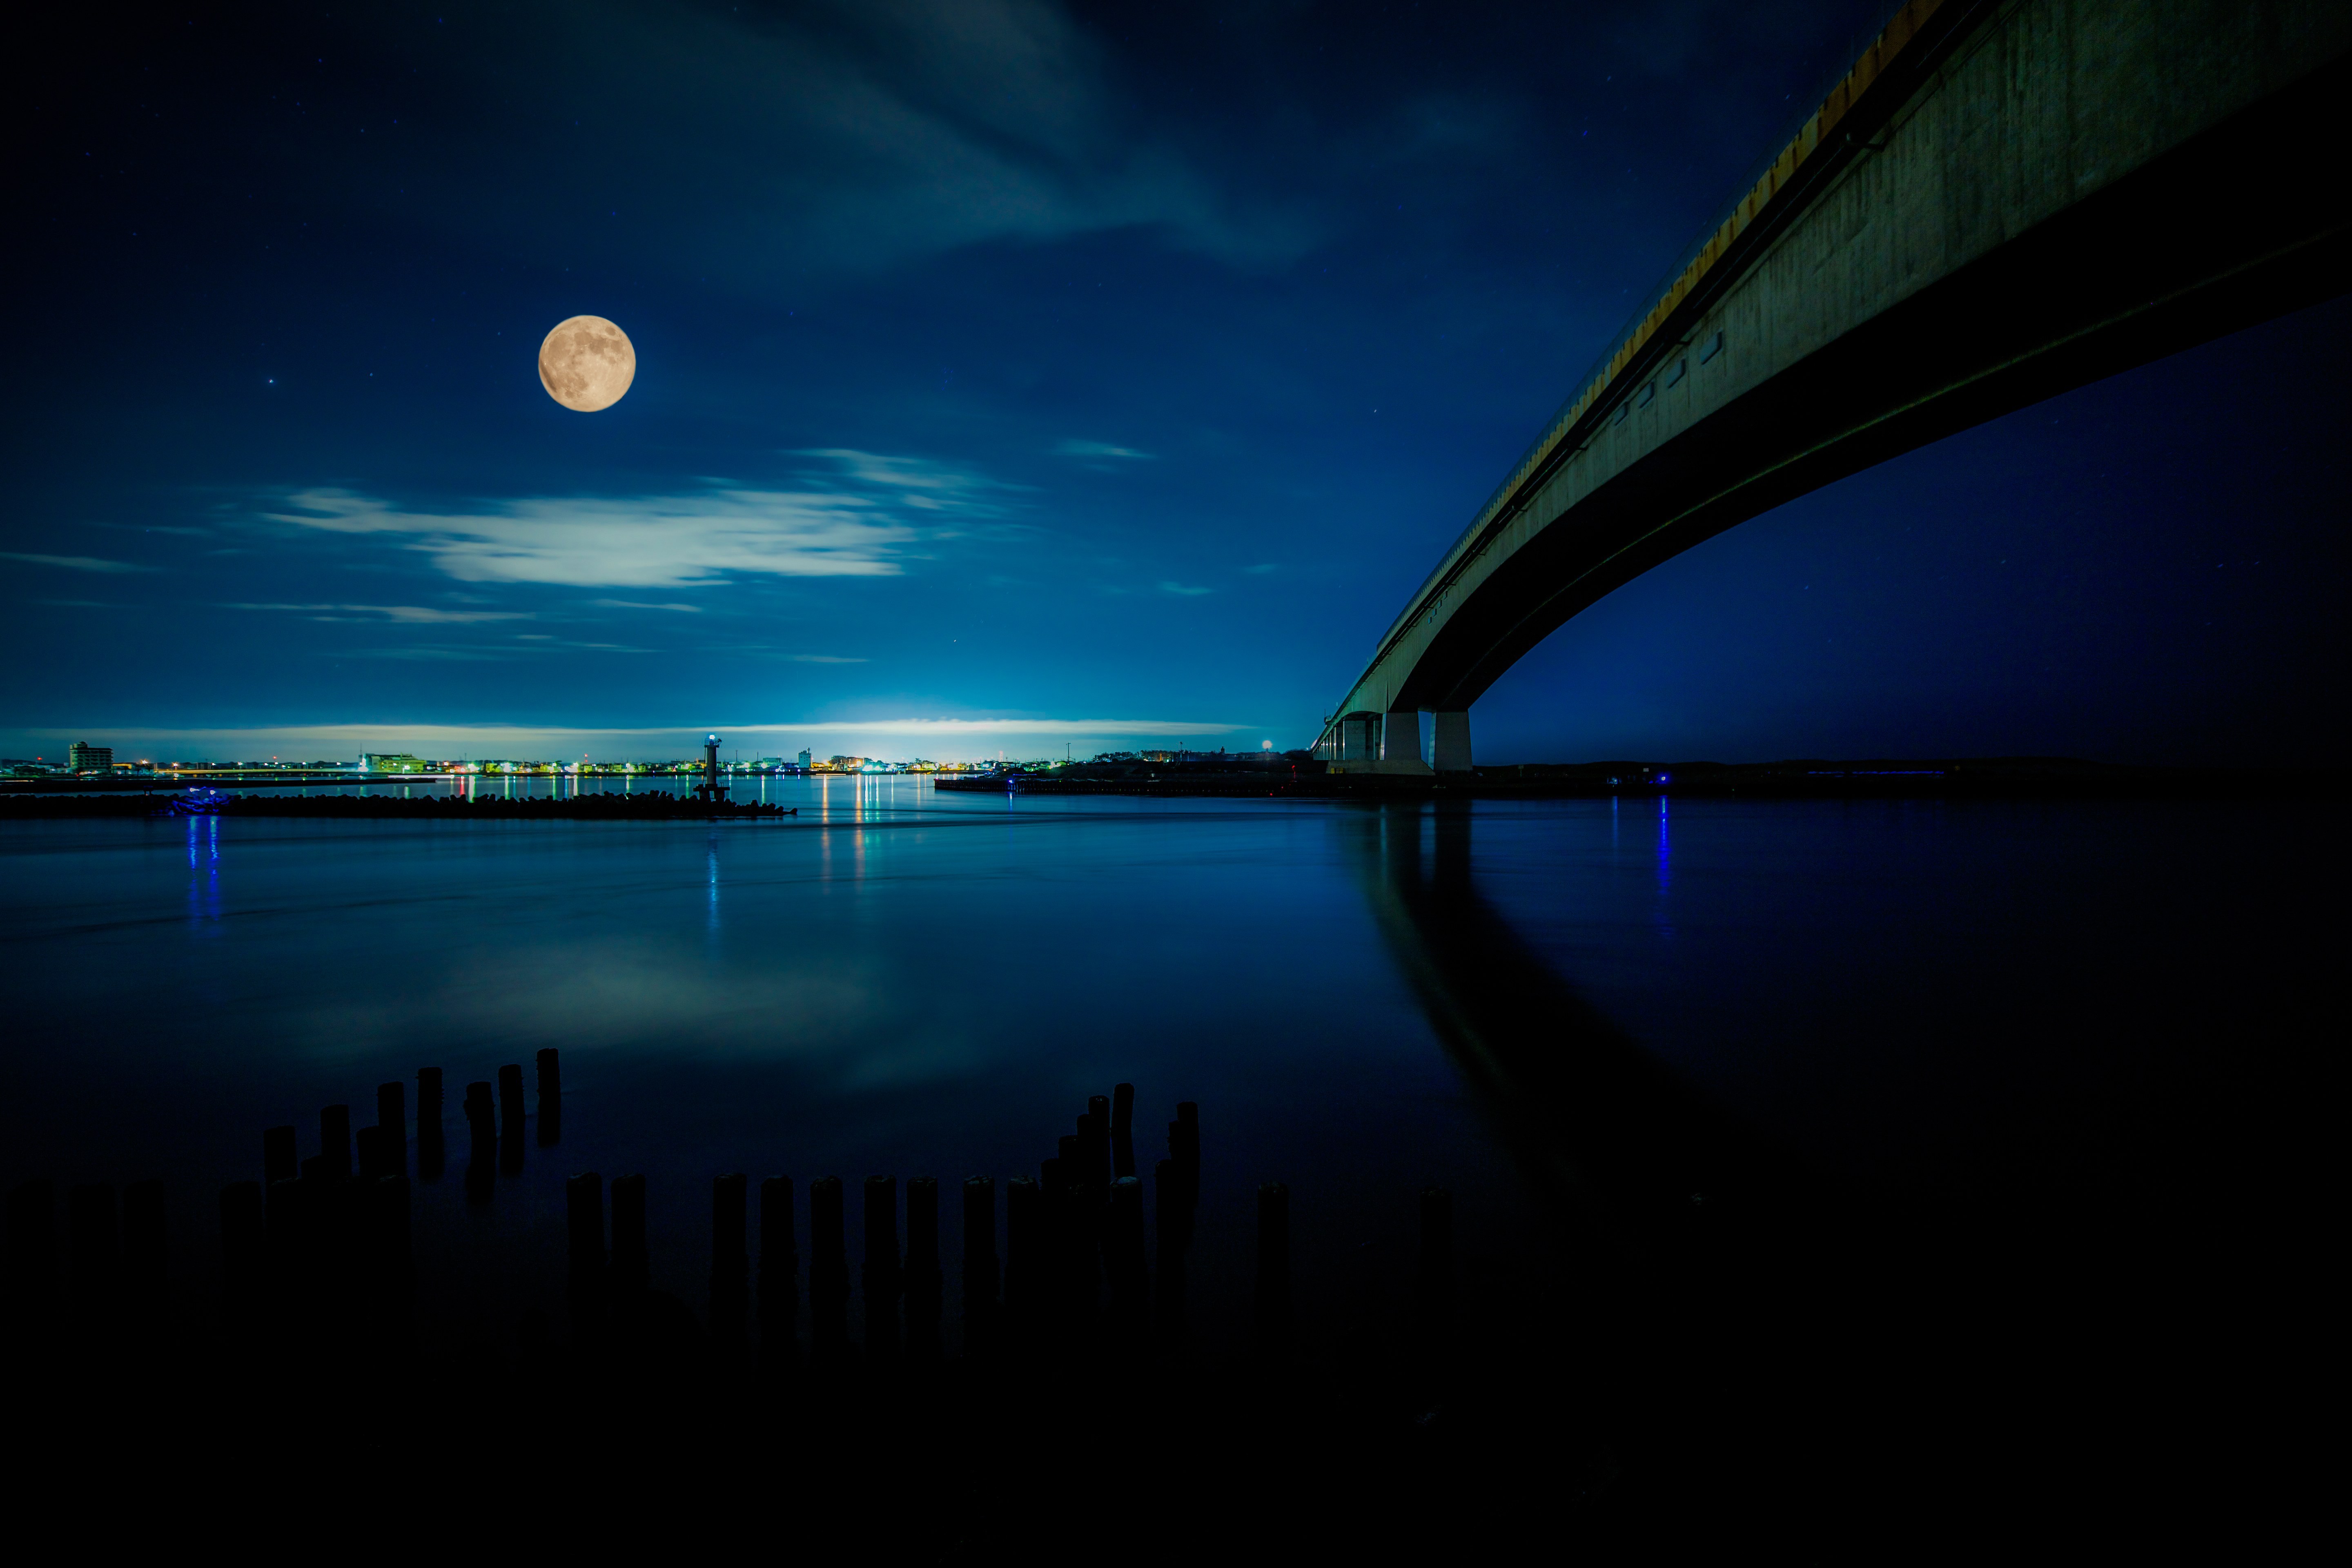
[1116, 371]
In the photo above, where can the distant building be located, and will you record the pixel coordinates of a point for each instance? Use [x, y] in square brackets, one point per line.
[849, 764]
[804, 761]
[81, 757]
[392, 763]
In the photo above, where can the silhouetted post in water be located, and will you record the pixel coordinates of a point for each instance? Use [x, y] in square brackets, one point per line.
[1025, 1255]
[244, 1251]
[335, 1227]
[94, 1252]
[482, 1153]
[828, 1274]
[335, 1143]
[279, 1161]
[283, 1223]
[430, 1149]
[925, 1286]
[1122, 1129]
[1081, 1211]
[583, 1216]
[632, 1274]
[730, 1267]
[511, 1118]
[780, 1272]
[391, 1116]
[1274, 1272]
[1057, 1180]
[882, 1281]
[1174, 1229]
[979, 1267]
[143, 1252]
[1096, 1127]
[372, 1160]
[1124, 1246]
[551, 1098]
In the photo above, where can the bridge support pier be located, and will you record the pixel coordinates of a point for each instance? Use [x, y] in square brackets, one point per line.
[1401, 740]
[1449, 745]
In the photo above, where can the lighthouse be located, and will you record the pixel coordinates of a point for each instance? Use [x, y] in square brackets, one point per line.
[711, 790]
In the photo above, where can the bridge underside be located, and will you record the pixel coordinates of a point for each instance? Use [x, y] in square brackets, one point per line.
[2239, 224]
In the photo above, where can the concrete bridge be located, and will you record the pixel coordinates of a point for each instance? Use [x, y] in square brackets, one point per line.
[1999, 202]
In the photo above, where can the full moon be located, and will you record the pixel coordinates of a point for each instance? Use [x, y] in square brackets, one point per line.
[586, 363]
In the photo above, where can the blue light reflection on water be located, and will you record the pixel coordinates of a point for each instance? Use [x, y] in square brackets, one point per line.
[203, 869]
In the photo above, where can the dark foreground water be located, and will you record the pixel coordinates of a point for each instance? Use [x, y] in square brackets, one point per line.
[2108, 1016]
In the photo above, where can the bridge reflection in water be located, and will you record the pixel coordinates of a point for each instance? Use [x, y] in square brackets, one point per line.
[1732, 1342]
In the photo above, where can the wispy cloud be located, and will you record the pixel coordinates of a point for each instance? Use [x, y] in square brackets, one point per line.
[852, 521]
[1184, 590]
[639, 604]
[852, 137]
[1075, 448]
[75, 563]
[1262, 568]
[395, 614]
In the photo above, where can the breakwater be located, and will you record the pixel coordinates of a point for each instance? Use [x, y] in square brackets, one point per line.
[654, 805]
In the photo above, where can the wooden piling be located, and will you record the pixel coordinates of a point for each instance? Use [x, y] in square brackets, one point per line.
[1095, 1124]
[731, 1266]
[1122, 1129]
[926, 1288]
[979, 1266]
[282, 1231]
[371, 1154]
[1024, 1266]
[391, 1263]
[391, 1116]
[1274, 1272]
[828, 1273]
[780, 1271]
[632, 1271]
[335, 1141]
[1130, 1279]
[279, 1161]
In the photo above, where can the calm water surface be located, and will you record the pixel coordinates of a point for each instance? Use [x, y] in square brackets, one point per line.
[1939, 996]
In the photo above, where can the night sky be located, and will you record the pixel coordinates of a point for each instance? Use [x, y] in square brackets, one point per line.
[1114, 370]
